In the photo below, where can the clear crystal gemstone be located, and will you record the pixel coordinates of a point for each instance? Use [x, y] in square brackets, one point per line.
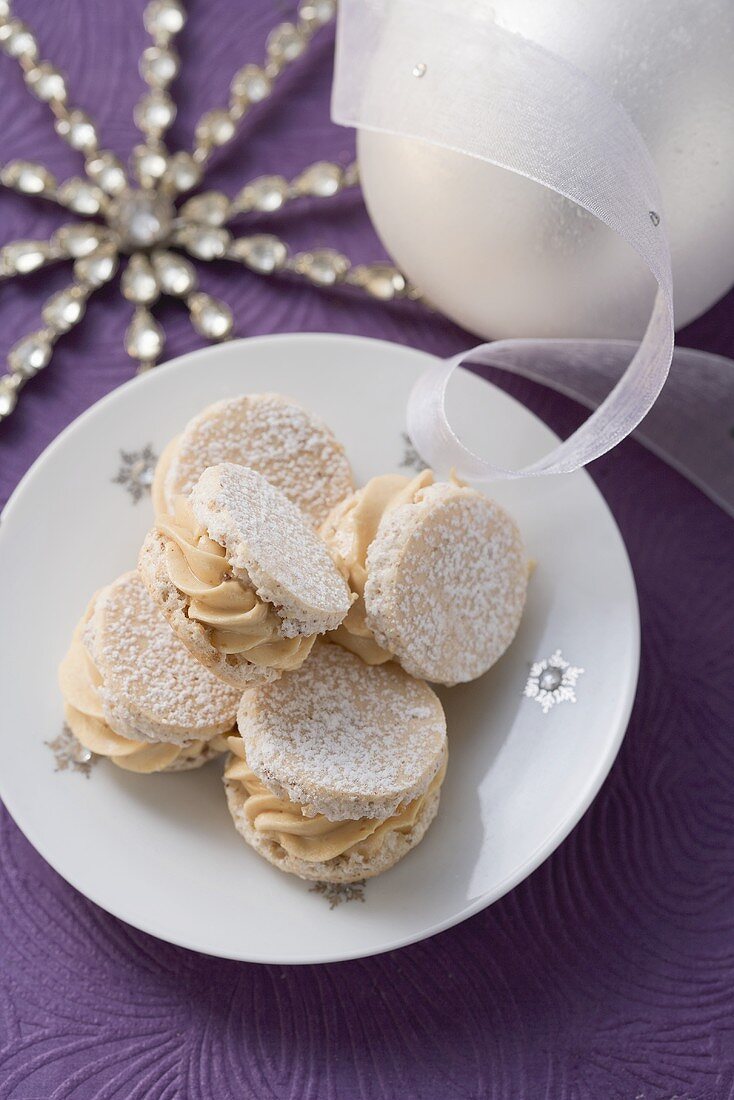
[150, 163]
[31, 179]
[209, 208]
[81, 196]
[163, 18]
[139, 283]
[550, 679]
[210, 317]
[262, 252]
[251, 84]
[142, 218]
[77, 128]
[46, 82]
[323, 266]
[8, 396]
[159, 65]
[80, 239]
[17, 41]
[286, 42]
[183, 171]
[204, 242]
[175, 274]
[215, 128]
[266, 194]
[317, 12]
[106, 170]
[65, 309]
[97, 269]
[321, 179]
[22, 257]
[30, 354]
[144, 337]
[155, 112]
[382, 281]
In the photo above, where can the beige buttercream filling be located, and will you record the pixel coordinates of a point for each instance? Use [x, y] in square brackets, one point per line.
[358, 526]
[237, 620]
[316, 839]
[80, 680]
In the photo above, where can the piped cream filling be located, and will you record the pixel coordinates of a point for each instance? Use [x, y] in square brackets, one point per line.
[237, 620]
[357, 527]
[80, 682]
[315, 839]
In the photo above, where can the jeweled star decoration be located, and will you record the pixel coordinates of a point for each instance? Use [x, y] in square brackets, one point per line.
[142, 219]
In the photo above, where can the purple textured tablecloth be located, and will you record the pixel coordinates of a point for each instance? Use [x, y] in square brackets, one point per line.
[610, 972]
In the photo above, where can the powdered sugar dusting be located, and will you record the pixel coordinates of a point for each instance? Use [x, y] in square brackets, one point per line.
[282, 441]
[270, 543]
[148, 670]
[342, 738]
[447, 578]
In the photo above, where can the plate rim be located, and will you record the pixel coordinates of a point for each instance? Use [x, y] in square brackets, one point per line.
[541, 853]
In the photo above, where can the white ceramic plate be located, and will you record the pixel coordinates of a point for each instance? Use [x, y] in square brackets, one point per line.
[160, 851]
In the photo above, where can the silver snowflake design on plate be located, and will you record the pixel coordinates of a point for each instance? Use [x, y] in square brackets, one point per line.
[143, 219]
[136, 472]
[338, 892]
[70, 754]
[552, 681]
[411, 459]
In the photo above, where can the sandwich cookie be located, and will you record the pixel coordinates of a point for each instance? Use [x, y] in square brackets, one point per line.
[294, 450]
[439, 571]
[242, 577]
[133, 693]
[337, 771]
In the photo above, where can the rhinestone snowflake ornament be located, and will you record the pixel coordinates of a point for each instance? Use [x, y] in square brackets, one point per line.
[144, 221]
[552, 681]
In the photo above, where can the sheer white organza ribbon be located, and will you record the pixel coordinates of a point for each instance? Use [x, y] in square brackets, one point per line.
[497, 96]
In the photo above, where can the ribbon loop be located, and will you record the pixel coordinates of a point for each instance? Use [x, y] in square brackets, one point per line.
[501, 98]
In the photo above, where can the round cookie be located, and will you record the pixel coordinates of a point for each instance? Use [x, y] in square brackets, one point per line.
[439, 571]
[337, 771]
[242, 577]
[133, 693]
[294, 450]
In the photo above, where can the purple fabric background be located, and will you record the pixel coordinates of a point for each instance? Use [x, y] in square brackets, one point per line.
[608, 973]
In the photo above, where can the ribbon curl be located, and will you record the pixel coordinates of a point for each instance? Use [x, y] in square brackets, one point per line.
[504, 99]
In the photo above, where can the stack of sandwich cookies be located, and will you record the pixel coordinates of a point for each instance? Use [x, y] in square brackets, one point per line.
[281, 616]
[440, 575]
[337, 771]
[242, 577]
[295, 451]
[134, 694]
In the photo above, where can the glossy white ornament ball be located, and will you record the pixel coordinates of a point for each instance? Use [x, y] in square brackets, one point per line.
[503, 256]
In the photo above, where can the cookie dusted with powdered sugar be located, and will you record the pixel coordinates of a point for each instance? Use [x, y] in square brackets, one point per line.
[294, 450]
[242, 577]
[439, 572]
[337, 771]
[133, 692]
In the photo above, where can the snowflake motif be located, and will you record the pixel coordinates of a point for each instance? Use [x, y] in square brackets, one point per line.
[70, 755]
[140, 217]
[136, 472]
[411, 459]
[337, 892]
[552, 681]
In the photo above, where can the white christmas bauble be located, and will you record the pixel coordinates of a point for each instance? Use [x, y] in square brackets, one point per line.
[503, 256]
